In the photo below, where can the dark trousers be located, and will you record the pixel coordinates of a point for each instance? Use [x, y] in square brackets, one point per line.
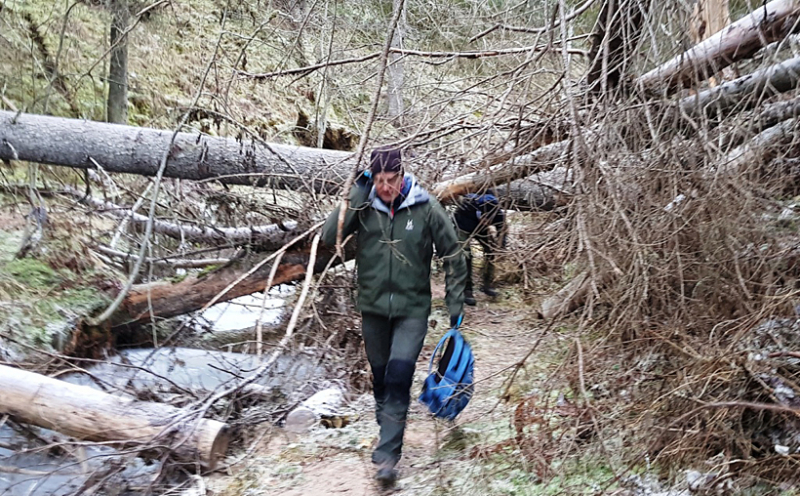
[393, 346]
[488, 246]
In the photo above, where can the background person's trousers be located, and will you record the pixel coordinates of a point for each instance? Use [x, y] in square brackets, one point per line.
[393, 346]
[489, 249]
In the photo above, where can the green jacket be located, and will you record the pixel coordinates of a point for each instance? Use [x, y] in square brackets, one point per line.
[393, 252]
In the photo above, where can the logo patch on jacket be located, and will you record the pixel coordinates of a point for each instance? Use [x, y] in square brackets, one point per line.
[410, 225]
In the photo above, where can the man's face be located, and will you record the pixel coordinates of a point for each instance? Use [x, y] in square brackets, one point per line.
[388, 185]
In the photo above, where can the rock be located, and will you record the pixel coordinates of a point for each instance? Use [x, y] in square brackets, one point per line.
[698, 481]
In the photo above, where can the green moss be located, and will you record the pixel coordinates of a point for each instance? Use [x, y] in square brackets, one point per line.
[206, 270]
[40, 305]
[31, 272]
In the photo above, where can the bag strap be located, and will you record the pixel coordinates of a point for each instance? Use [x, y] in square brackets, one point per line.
[451, 333]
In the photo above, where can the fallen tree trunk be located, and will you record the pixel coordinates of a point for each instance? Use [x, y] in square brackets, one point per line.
[744, 92]
[718, 102]
[771, 115]
[132, 150]
[567, 298]
[87, 144]
[544, 191]
[737, 41]
[764, 147]
[161, 300]
[88, 414]
[541, 160]
[175, 263]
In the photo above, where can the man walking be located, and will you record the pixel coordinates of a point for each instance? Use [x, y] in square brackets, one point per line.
[398, 224]
[480, 217]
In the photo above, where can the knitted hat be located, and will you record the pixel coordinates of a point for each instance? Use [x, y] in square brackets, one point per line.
[385, 160]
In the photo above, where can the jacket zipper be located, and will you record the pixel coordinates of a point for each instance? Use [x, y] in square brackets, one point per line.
[391, 240]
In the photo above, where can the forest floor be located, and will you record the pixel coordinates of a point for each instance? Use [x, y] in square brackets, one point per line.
[438, 458]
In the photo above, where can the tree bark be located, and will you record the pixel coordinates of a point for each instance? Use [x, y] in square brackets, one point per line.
[541, 160]
[543, 192]
[745, 92]
[738, 41]
[269, 237]
[117, 103]
[614, 40]
[133, 150]
[567, 298]
[92, 415]
[762, 148]
[771, 115]
[709, 17]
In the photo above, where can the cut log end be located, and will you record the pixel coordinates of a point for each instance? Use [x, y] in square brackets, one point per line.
[214, 443]
[88, 414]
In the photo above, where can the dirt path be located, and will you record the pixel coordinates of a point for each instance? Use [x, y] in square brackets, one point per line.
[436, 455]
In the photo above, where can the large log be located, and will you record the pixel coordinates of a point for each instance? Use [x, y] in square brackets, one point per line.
[88, 414]
[737, 41]
[769, 116]
[779, 140]
[544, 191]
[567, 298]
[543, 159]
[135, 150]
[162, 299]
[744, 92]
[126, 149]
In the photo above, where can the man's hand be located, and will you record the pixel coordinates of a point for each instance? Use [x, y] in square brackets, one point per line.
[455, 320]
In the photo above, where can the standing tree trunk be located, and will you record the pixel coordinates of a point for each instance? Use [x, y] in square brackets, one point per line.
[614, 40]
[117, 103]
[394, 71]
[710, 17]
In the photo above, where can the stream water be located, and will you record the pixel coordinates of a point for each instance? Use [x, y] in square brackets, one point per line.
[244, 312]
[28, 469]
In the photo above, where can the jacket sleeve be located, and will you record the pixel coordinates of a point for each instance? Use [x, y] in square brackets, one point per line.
[449, 250]
[358, 199]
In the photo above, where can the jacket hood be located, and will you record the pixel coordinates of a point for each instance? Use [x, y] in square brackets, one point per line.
[416, 195]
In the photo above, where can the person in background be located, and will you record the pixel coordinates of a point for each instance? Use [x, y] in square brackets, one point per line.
[480, 217]
[397, 225]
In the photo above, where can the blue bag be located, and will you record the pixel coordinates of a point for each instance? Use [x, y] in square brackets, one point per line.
[448, 389]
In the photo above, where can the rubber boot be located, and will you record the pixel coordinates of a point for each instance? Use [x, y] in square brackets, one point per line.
[469, 298]
[488, 290]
